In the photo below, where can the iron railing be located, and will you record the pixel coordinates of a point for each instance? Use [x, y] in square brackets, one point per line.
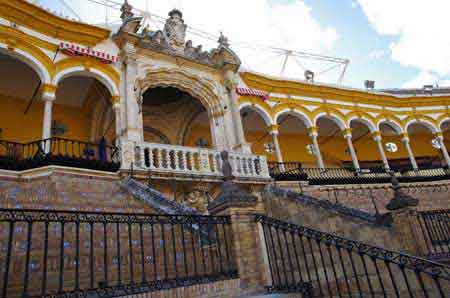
[293, 171]
[91, 254]
[319, 264]
[435, 225]
[58, 151]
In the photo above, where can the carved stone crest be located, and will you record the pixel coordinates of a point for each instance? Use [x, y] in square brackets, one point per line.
[175, 30]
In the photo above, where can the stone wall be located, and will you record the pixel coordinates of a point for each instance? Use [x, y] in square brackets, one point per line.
[369, 197]
[288, 209]
[67, 190]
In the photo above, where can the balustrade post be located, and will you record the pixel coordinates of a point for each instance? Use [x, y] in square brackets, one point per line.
[249, 246]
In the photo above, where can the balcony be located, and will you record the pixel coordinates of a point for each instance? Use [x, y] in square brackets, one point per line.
[16, 156]
[197, 162]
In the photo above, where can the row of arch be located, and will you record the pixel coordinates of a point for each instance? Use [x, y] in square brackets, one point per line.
[372, 134]
[51, 74]
[343, 121]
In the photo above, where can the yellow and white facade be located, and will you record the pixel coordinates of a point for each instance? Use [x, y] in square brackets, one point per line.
[171, 106]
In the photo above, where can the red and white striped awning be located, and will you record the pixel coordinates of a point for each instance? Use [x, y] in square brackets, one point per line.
[76, 50]
[252, 92]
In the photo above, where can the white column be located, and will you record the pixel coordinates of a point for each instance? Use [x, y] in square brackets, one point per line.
[48, 98]
[444, 149]
[313, 134]
[231, 82]
[377, 139]
[117, 119]
[348, 137]
[130, 91]
[405, 141]
[274, 133]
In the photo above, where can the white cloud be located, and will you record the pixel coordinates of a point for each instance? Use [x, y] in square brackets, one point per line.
[377, 54]
[419, 26]
[285, 25]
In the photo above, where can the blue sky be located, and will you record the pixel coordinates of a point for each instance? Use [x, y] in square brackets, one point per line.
[392, 48]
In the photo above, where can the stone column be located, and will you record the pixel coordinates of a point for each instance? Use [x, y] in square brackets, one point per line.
[377, 139]
[313, 134]
[130, 92]
[440, 138]
[117, 118]
[231, 82]
[273, 131]
[405, 141]
[348, 137]
[48, 97]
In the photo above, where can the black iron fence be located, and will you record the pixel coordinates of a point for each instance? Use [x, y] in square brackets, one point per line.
[293, 171]
[90, 254]
[58, 151]
[318, 264]
[435, 225]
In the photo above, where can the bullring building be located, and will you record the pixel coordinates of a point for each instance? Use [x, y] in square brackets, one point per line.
[135, 163]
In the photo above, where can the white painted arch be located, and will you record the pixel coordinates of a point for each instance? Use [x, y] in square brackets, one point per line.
[93, 73]
[30, 60]
[295, 113]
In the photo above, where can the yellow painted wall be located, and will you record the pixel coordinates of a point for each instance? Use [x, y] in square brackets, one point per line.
[195, 133]
[17, 126]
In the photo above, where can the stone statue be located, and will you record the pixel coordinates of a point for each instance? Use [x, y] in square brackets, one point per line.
[138, 94]
[175, 30]
[126, 11]
[223, 41]
[226, 166]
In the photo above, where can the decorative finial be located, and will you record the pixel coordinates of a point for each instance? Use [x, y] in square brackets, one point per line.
[223, 41]
[126, 10]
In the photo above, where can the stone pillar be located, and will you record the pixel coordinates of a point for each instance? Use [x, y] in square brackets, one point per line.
[348, 137]
[405, 222]
[440, 138]
[231, 82]
[313, 134]
[48, 96]
[273, 131]
[377, 139]
[117, 118]
[248, 243]
[130, 92]
[405, 141]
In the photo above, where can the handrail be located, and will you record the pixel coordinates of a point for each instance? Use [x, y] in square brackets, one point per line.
[58, 151]
[316, 263]
[98, 254]
[435, 226]
[294, 171]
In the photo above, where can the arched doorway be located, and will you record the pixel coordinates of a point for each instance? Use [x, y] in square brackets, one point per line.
[19, 86]
[364, 144]
[256, 134]
[83, 111]
[293, 133]
[331, 141]
[421, 141]
[173, 116]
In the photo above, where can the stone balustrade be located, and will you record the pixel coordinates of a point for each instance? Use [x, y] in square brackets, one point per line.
[197, 161]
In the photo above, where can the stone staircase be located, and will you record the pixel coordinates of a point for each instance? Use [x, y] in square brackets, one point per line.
[155, 199]
[330, 206]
